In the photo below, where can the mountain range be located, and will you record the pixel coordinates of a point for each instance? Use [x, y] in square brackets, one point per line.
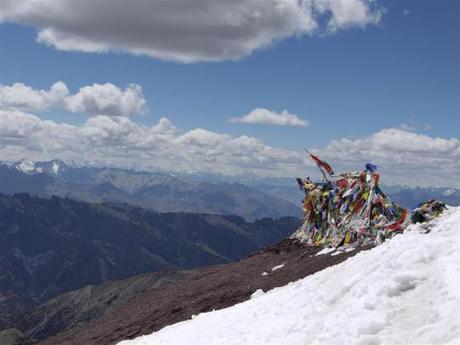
[162, 192]
[246, 196]
[51, 246]
[64, 229]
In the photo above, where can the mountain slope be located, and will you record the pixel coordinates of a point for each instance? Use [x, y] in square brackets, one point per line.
[209, 288]
[404, 291]
[77, 308]
[51, 246]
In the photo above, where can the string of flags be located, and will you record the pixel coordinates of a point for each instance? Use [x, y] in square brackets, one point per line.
[350, 209]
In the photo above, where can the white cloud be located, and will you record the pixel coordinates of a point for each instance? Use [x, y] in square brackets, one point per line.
[118, 141]
[348, 13]
[403, 157]
[202, 30]
[269, 117]
[95, 99]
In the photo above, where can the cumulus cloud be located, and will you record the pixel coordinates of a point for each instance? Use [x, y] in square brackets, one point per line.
[118, 141]
[269, 117]
[403, 157]
[202, 30]
[95, 99]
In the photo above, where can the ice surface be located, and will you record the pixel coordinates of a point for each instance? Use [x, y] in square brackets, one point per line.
[405, 291]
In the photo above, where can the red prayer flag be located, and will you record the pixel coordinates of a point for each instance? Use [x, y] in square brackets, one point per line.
[322, 164]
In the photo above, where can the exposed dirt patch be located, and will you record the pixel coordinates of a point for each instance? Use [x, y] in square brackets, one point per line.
[209, 288]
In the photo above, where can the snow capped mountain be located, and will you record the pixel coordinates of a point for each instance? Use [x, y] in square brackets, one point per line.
[26, 166]
[54, 167]
[29, 167]
[153, 190]
[405, 291]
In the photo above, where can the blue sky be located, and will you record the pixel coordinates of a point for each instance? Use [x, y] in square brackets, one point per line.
[354, 82]
[349, 84]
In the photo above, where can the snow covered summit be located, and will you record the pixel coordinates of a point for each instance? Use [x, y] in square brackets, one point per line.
[405, 291]
[26, 166]
[29, 167]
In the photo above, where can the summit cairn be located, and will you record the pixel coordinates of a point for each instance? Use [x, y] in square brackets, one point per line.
[350, 209]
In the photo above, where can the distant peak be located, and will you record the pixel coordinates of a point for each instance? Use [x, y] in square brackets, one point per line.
[53, 167]
[57, 166]
[26, 166]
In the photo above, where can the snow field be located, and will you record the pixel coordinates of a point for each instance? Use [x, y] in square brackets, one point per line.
[405, 291]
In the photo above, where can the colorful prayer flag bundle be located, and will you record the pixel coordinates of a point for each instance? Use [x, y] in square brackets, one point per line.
[350, 209]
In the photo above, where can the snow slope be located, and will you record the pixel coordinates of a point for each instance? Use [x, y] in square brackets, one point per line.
[405, 291]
